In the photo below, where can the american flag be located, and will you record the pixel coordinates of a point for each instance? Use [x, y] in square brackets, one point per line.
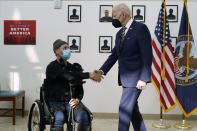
[166, 87]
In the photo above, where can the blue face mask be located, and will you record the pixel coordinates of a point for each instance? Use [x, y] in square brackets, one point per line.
[66, 54]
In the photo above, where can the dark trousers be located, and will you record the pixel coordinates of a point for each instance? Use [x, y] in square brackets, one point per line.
[129, 111]
[81, 117]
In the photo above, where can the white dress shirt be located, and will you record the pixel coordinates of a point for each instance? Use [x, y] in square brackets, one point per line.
[128, 25]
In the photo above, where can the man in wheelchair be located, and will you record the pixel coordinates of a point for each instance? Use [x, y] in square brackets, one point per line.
[59, 74]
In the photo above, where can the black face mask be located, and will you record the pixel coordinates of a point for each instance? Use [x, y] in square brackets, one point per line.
[116, 23]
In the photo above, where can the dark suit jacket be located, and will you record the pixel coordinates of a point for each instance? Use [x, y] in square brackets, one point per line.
[135, 59]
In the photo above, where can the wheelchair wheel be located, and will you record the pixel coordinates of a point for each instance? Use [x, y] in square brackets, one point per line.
[36, 117]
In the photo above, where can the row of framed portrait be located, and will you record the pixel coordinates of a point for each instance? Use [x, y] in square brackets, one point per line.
[105, 13]
[105, 43]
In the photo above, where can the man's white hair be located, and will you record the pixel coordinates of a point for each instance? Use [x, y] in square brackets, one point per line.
[123, 8]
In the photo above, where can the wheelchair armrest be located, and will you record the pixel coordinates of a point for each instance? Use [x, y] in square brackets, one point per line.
[44, 101]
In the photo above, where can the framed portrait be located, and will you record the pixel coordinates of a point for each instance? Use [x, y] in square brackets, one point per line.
[173, 41]
[105, 14]
[74, 13]
[138, 12]
[105, 44]
[172, 13]
[74, 43]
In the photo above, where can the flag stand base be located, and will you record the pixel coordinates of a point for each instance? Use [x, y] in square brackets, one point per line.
[183, 125]
[161, 125]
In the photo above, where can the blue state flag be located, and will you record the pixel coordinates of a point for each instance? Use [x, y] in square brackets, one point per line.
[186, 58]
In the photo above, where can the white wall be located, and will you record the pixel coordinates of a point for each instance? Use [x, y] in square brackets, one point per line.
[30, 61]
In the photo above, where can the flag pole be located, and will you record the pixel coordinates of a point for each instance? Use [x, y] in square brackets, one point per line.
[183, 125]
[164, 35]
[187, 73]
[161, 124]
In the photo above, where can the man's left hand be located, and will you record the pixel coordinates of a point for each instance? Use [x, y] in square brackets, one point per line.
[141, 85]
[74, 102]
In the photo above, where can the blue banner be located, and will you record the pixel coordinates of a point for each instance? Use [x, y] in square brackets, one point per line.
[186, 92]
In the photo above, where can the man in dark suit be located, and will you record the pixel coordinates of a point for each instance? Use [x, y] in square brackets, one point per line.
[133, 51]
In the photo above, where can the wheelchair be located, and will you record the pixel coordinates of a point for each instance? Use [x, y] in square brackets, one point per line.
[41, 115]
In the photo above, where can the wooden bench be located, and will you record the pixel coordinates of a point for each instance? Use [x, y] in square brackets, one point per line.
[12, 96]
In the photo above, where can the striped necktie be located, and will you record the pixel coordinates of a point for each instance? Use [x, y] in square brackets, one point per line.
[122, 37]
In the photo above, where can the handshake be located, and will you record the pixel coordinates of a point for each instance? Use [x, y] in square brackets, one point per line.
[96, 76]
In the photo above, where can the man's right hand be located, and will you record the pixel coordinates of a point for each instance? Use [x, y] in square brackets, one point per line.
[96, 75]
[99, 72]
